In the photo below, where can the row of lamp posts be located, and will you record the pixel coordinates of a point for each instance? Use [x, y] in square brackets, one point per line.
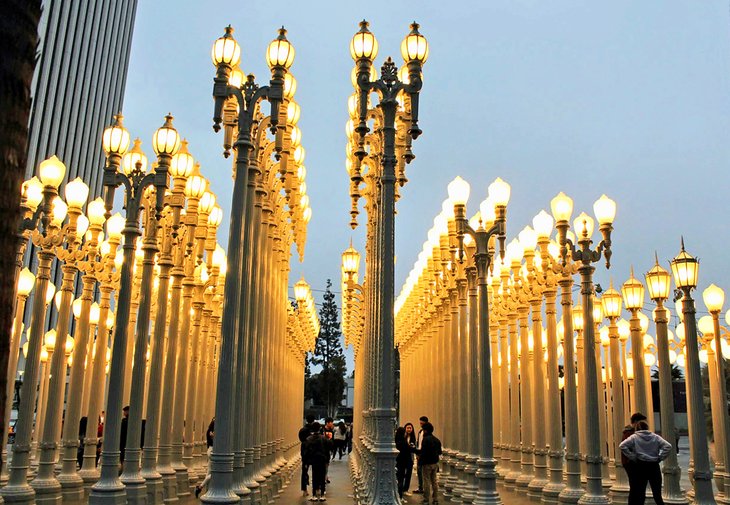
[177, 238]
[547, 377]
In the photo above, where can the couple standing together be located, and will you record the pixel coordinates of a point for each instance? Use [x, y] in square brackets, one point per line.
[427, 449]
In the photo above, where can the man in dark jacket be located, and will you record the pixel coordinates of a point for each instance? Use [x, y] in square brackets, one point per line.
[303, 434]
[317, 450]
[428, 459]
[421, 421]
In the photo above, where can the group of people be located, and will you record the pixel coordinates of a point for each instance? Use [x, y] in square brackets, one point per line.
[321, 444]
[641, 452]
[423, 449]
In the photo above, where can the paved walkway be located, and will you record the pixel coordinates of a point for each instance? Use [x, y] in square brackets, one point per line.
[339, 490]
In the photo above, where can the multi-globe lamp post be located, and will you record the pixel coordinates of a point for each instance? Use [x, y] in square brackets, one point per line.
[396, 118]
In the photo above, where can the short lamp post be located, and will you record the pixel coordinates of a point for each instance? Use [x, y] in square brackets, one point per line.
[685, 269]
[658, 282]
[499, 194]
[583, 254]
[633, 292]
[714, 298]
[611, 303]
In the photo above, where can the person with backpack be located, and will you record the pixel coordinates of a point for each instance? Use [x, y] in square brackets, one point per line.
[304, 433]
[316, 454]
[645, 450]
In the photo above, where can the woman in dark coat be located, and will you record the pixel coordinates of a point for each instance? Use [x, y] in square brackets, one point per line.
[405, 442]
[316, 453]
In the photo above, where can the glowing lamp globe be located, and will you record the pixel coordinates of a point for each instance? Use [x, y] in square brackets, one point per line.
[633, 292]
[115, 139]
[33, 192]
[605, 210]
[658, 281]
[611, 303]
[561, 207]
[414, 47]
[499, 192]
[166, 139]
[77, 192]
[714, 298]
[181, 165]
[459, 191]
[280, 52]
[26, 281]
[583, 225]
[685, 269]
[226, 50]
[51, 171]
[363, 44]
[95, 210]
[543, 224]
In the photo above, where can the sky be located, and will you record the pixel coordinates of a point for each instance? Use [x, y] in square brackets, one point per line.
[630, 99]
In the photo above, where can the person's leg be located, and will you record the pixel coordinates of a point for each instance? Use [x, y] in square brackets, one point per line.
[407, 477]
[655, 481]
[637, 488]
[400, 477]
[318, 470]
[305, 477]
[435, 484]
[426, 479]
[419, 472]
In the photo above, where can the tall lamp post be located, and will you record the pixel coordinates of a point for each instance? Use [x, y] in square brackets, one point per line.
[246, 96]
[135, 178]
[47, 237]
[658, 282]
[714, 298]
[499, 193]
[585, 256]
[364, 49]
[685, 269]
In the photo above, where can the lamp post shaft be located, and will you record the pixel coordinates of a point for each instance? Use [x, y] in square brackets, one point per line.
[552, 490]
[703, 492]
[594, 483]
[620, 488]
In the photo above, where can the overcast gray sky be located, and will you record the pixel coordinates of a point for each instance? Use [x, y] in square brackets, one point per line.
[626, 98]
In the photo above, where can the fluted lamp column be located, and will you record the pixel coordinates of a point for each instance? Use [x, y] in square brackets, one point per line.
[685, 269]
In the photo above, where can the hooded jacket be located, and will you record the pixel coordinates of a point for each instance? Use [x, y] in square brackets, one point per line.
[646, 446]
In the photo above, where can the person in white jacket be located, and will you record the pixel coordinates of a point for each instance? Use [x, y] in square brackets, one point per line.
[645, 450]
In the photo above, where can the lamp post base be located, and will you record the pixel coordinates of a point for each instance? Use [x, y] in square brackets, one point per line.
[551, 493]
[169, 484]
[72, 487]
[155, 488]
[570, 495]
[181, 475]
[487, 483]
[18, 494]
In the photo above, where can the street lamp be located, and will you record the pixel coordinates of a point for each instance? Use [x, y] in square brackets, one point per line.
[582, 253]
[685, 269]
[47, 237]
[633, 293]
[166, 143]
[499, 194]
[714, 298]
[383, 169]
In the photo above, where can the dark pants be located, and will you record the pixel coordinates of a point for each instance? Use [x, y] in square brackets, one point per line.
[340, 446]
[305, 476]
[403, 473]
[419, 472]
[319, 475]
[640, 473]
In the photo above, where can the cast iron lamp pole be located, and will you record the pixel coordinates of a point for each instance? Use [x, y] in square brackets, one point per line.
[714, 298]
[611, 303]
[658, 282]
[543, 224]
[414, 50]
[47, 237]
[633, 293]
[247, 96]
[109, 489]
[685, 270]
[499, 193]
[584, 255]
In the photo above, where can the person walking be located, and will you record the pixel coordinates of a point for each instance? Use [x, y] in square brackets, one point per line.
[317, 450]
[428, 457]
[405, 442]
[303, 435]
[340, 440]
[645, 450]
[419, 438]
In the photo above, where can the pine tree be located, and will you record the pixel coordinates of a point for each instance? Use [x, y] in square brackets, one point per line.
[328, 386]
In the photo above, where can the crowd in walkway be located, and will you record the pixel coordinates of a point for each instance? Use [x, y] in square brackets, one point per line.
[320, 444]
